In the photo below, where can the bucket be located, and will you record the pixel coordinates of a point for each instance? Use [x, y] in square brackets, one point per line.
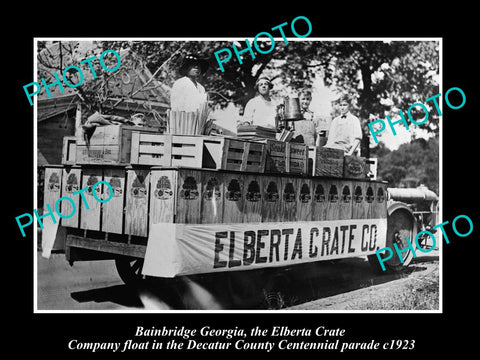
[292, 108]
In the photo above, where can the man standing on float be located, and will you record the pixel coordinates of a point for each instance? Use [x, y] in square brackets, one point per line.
[345, 131]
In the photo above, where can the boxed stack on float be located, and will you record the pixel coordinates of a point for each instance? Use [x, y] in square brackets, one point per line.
[325, 161]
[355, 167]
[107, 145]
[286, 157]
[203, 152]
[176, 150]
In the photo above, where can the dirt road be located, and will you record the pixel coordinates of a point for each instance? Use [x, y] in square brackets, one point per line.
[348, 284]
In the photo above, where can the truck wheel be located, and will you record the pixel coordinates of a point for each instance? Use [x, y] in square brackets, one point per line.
[130, 269]
[400, 225]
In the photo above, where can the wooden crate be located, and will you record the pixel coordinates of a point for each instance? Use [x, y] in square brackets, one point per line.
[241, 155]
[187, 151]
[328, 162]
[108, 145]
[275, 156]
[176, 150]
[355, 167]
[286, 157]
[69, 150]
[150, 149]
[297, 158]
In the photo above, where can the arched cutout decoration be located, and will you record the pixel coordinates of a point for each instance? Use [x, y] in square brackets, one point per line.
[346, 196]
[358, 197]
[369, 195]
[319, 195]
[333, 194]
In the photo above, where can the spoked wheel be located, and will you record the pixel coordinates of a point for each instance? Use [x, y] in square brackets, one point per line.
[400, 225]
[245, 288]
[130, 269]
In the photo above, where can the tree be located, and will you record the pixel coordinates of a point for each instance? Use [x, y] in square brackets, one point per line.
[417, 160]
[383, 76]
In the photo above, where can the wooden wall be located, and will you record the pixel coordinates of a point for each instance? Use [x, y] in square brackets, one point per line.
[143, 196]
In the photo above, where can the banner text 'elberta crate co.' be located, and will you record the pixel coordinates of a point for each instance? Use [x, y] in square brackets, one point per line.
[182, 249]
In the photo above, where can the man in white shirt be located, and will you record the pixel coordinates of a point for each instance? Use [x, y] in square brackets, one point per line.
[345, 131]
[187, 93]
[261, 110]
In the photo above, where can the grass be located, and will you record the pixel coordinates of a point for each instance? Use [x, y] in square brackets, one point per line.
[419, 294]
[415, 291]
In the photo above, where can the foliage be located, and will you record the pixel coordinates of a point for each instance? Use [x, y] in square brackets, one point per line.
[415, 160]
[382, 76]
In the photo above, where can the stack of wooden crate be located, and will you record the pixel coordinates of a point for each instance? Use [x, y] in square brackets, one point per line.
[125, 145]
[215, 152]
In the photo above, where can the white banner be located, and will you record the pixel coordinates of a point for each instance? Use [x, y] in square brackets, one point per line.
[183, 249]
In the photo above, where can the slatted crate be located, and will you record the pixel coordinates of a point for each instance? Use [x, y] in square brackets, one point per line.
[176, 150]
[151, 149]
[241, 155]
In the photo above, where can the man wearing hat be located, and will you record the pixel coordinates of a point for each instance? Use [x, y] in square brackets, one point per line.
[187, 93]
[261, 110]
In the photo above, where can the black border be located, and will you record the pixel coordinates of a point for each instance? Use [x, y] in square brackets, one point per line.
[434, 333]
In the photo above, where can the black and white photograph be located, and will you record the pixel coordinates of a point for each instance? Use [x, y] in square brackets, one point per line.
[287, 174]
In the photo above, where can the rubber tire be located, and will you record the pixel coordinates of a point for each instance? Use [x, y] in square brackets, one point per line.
[400, 225]
[130, 269]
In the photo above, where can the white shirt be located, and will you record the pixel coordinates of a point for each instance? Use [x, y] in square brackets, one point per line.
[186, 96]
[343, 132]
[261, 112]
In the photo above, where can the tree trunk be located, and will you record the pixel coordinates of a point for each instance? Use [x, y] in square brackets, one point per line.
[365, 101]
